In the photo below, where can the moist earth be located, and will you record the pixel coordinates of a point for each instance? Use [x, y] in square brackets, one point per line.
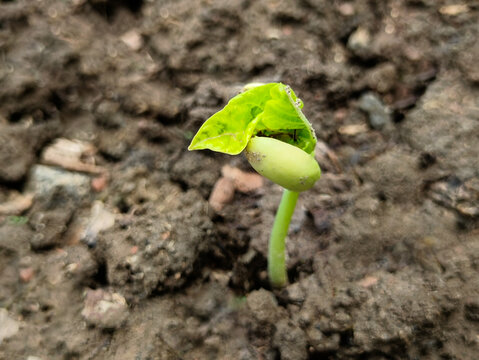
[109, 246]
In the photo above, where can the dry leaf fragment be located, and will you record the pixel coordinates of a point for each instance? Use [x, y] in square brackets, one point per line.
[454, 9]
[72, 155]
[353, 129]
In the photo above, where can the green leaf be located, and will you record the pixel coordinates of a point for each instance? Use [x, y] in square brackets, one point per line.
[271, 110]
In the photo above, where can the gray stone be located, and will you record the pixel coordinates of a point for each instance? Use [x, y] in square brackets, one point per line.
[378, 113]
[45, 180]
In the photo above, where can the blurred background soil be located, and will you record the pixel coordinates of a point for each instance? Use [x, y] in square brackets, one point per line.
[118, 243]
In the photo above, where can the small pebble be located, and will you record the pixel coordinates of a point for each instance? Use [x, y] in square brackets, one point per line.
[104, 309]
[359, 41]
[26, 274]
[346, 9]
[378, 113]
[100, 220]
[368, 281]
[99, 183]
[222, 194]
[133, 40]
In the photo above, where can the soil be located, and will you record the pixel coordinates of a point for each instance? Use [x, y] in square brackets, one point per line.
[132, 262]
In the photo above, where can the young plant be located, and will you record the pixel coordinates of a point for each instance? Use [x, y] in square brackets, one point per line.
[267, 123]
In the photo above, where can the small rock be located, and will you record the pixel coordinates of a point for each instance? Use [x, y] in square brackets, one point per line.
[104, 309]
[26, 274]
[133, 250]
[45, 180]
[100, 220]
[132, 39]
[368, 281]
[458, 195]
[378, 113]
[346, 9]
[222, 194]
[360, 41]
[99, 183]
[8, 326]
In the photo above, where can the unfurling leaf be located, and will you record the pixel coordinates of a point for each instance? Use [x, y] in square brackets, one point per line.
[271, 110]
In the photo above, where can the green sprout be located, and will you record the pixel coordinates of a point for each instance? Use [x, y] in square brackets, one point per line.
[267, 123]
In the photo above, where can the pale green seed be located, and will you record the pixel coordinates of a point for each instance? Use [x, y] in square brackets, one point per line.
[282, 163]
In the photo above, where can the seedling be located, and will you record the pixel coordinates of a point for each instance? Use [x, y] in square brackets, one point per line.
[266, 122]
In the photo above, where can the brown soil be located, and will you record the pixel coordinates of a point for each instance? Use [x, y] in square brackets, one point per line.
[383, 253]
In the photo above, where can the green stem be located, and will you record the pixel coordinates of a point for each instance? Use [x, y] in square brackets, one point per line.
[277, 244]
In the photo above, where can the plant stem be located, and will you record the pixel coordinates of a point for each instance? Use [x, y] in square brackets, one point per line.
[277, 244]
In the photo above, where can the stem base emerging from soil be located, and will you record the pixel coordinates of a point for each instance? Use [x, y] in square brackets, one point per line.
[277, 242]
